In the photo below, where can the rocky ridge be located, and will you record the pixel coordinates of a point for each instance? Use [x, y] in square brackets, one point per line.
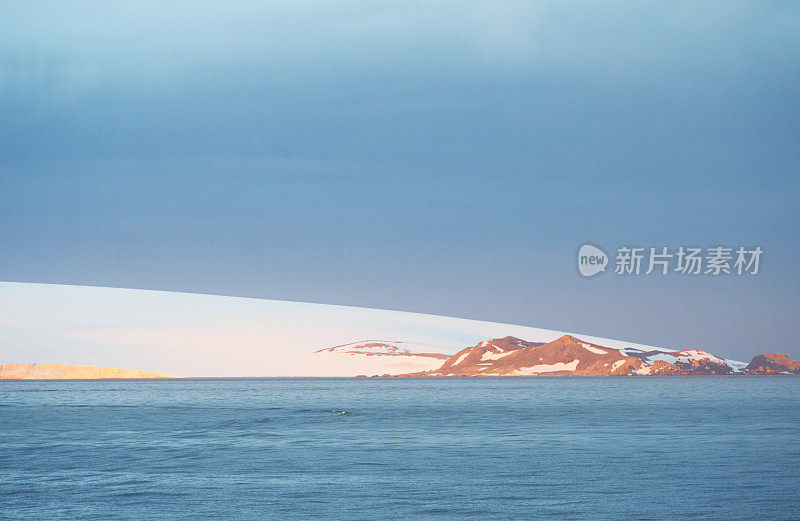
[570, 356]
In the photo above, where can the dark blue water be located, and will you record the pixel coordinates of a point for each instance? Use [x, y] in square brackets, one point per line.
[710, 448]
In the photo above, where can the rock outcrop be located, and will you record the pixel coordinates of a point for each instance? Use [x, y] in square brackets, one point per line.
[773, 363]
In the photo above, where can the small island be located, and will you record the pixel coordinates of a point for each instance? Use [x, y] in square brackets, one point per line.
[48, 371]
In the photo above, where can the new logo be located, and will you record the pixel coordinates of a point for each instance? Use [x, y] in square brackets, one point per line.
[591, 260]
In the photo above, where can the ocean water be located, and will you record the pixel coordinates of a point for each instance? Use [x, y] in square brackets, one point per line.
[709, 448]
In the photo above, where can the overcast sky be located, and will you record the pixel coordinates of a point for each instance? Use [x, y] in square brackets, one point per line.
[437, 157]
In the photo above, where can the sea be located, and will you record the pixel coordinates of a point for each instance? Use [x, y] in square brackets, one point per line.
[588, 448]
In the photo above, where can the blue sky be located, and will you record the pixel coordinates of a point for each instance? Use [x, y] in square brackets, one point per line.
[446, 159]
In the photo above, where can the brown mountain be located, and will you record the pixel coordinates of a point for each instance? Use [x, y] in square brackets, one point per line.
[568, 355]
[773, 363]
[512, 356]
[46, 371]
[688, 367]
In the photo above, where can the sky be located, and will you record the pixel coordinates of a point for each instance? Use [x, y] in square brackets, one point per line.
[445, 158]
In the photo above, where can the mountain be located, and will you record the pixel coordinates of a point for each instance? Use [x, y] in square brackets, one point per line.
[511, 356]
[508, 356]
[567, 355]
[378, 357]
[46, 371]
[773, 363]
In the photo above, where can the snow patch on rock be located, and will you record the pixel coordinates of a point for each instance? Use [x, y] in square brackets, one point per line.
[593, 349]
[488, 355]
[461, 358]
[547, 368]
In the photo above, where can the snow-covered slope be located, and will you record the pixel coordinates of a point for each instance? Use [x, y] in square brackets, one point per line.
[385, 348]
[378, 357]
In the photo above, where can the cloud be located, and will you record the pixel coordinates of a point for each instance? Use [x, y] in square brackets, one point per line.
[155, 49]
